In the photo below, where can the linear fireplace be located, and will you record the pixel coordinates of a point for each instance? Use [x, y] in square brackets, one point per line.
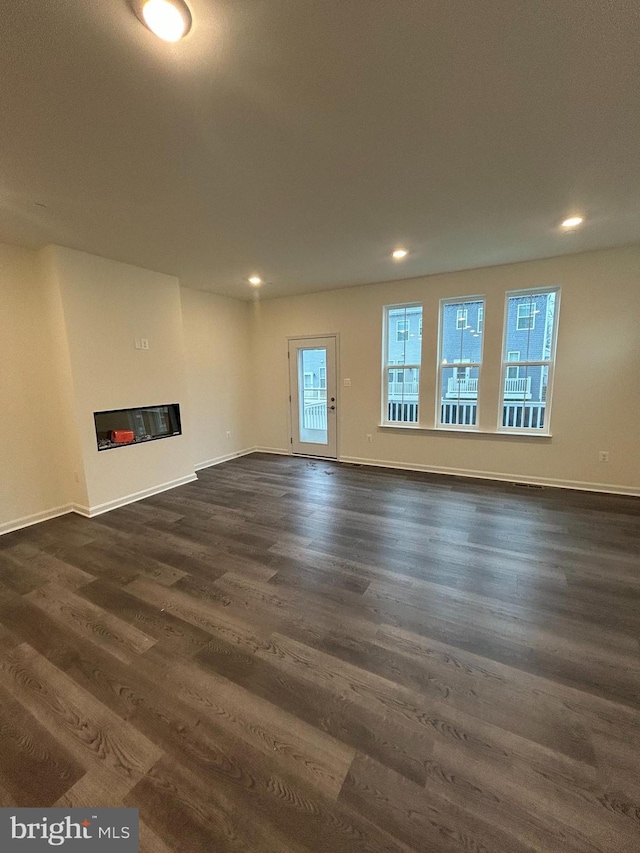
[121, 427]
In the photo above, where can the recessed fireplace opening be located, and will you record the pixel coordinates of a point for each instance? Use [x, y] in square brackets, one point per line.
[122, 427]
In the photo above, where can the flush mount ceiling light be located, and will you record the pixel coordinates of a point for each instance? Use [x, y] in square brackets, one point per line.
[572, 222]
[399, 254]
[170, 20]
[255, 280]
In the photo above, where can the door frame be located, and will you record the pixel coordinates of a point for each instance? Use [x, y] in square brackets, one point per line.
[290, 339]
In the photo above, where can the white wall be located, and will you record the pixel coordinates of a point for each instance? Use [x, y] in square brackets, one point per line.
[219, 369]
[31, 467]
[68, 321]
[106, 306]
[67, 452]
[597, 383]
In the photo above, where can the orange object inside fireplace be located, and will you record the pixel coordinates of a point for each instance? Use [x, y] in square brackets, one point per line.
[122, 436]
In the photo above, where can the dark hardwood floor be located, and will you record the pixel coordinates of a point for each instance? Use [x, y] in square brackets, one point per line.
[294, 655]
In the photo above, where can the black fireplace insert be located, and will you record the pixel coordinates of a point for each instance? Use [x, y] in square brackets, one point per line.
[122, 427]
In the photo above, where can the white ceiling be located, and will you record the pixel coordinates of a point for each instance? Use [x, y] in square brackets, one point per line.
[303, 140]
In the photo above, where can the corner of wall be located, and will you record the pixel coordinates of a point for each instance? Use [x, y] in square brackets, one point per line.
[71, 469]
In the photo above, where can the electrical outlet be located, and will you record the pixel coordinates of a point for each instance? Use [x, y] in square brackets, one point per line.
[145, 343]
[228, 433]
[603, 456]
[346, 382]
[76, 477]
[369, 438]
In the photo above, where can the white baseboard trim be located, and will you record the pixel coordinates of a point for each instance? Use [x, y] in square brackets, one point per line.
[277, 450]
[92, 511]
[579, 485]
[219, 459]
[36, 518]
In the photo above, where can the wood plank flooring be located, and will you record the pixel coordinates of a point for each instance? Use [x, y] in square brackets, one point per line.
[295, 655]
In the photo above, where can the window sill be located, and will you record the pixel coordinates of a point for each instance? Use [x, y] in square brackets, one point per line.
[455, 431]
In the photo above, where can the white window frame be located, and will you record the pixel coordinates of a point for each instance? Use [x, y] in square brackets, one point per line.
[388, 365]
[322, 377]
[480, 319]
[461, 364]
[550, 363]
[468, 365]
[530, 317]
[462, 316]
[515, 352]
[308, 375]
[400, 332]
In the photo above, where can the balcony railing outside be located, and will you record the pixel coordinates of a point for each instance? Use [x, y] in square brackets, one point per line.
[314, 394]
[462, 387]
[400, 389]
[518, 415]
[518, 389]
[459, 414]
[314, 415]
[515, 415]
[523, 415]
[403, 413]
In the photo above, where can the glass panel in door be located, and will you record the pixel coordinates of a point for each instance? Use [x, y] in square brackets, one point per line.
[312, 390]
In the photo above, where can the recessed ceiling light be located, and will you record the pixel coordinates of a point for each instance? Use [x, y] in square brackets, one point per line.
[170, 20]
[399, 254]
[255, 280]
[572, 222]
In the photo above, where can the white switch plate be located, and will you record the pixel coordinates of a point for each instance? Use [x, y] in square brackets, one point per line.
[346, 382]
[136, 343]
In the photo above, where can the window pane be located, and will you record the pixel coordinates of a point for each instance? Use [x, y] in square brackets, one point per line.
[530, 323]
[460, 338]
[529, 335]
[402, 395]
[459, 396]
[525, 398]
[404, 335]
[313, 398]
[460, 345]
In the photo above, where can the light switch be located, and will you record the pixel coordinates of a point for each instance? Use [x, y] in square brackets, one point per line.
[136, 343]
[346, 382]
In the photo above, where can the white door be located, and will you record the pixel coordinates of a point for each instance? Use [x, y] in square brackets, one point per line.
[313, 385]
